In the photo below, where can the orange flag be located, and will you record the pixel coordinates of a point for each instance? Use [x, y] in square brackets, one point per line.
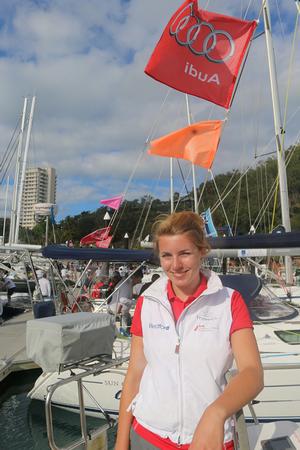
[197, 143]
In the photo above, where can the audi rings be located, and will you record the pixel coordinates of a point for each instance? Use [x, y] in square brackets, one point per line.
[192, 31]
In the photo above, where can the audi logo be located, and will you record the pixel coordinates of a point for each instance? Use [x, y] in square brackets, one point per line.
[186, 30]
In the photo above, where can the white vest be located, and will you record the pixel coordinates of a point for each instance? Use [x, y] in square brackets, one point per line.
[186, 362]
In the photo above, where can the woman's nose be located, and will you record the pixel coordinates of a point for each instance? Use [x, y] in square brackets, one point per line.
[176, 263]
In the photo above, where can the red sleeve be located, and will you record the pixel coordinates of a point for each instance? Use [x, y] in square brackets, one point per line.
[240, 314]
[136, 326]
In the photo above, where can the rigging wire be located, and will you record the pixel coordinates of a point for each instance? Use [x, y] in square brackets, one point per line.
[138, 223]
[272, 189]
[202, 191]
[11, 145]
[267, 190]
[183, 179]
[248, 201]
[261, 168]
[142, 153]
[221, 202]
[236, 213]
[8, 161]
[280, 21]
[217, 204]
[180, 193]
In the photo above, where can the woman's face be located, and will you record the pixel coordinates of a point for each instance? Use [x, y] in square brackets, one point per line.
[181, 260]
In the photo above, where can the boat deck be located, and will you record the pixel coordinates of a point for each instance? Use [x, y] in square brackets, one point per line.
[13, 355]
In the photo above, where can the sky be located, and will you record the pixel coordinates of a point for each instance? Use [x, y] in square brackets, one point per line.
[95, 107]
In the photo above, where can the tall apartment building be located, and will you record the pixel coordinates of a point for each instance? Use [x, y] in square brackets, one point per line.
[39, 187]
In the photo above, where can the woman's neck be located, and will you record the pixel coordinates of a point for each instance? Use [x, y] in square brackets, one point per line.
[184, 294]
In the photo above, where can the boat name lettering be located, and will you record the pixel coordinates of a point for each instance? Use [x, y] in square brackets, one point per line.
[191, 25]
[111, 383]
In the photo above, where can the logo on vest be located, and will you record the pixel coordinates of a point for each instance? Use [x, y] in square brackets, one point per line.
[206, 323]
[159, 326]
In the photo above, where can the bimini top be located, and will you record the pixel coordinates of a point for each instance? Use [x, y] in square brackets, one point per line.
[258, 240]
[98, 254]
[255, 241]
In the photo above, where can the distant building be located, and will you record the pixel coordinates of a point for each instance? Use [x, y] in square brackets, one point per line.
[39, 187]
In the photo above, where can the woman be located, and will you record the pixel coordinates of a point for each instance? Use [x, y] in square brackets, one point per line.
[187, 330]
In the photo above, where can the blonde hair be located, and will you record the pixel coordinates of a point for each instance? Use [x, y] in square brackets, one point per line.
[185, 222]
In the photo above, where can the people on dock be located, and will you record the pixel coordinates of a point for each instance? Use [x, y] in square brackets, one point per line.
[187, 330]
[9, 285]
[123, 298]
[44, 284]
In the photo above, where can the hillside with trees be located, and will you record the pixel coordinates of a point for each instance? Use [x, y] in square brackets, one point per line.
[245, 199]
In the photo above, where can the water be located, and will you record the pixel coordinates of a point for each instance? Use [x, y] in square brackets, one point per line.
[23, 423]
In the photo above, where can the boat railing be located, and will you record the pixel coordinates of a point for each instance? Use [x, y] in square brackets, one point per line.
[241, 439]
[93, 366]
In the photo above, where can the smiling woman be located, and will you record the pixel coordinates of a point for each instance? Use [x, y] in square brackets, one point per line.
[187, 330]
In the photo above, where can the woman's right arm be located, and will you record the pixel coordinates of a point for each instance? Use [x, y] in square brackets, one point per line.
[137, 364]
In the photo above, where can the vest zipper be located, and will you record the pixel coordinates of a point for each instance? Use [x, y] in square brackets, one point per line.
[177, 346]
[180, 393]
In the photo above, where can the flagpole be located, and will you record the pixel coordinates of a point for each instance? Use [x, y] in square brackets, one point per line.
[193, 165]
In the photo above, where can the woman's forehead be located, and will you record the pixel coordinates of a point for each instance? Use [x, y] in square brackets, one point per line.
[177, 240]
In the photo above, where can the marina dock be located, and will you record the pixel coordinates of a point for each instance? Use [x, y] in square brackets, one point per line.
[13, 355]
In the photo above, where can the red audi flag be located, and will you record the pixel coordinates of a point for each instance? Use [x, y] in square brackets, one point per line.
[197, 143]
[98, 235]
[201, 52]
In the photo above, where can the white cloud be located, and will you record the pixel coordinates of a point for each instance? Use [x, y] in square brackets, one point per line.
[95, 107]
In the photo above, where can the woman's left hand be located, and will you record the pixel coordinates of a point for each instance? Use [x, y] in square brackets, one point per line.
[209, 434]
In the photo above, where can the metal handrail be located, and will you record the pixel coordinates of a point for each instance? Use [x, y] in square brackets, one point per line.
[241, 440]
[88, 369]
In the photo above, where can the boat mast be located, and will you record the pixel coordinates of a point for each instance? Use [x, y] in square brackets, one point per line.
[12, 228]
[5, 209]
[18, 212]
[193, 165]
[171, 185]
[284, 199]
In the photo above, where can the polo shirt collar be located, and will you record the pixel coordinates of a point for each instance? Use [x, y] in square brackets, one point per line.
[173, 297]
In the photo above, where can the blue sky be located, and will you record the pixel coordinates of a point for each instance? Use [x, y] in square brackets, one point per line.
[84, 61]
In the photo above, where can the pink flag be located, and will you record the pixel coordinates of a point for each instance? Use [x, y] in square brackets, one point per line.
[114, 202]
[95, 236]
[105, 243]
